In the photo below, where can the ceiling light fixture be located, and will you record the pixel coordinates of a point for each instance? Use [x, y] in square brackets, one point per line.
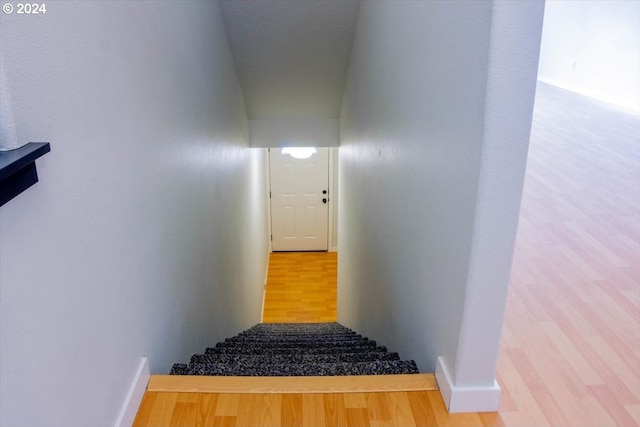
[299, 152]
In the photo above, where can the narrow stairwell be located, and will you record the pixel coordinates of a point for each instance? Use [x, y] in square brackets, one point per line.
[284, 374]
[296, 349]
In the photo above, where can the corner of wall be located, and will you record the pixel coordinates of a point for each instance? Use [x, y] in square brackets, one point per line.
[134, 396]
[466, 399]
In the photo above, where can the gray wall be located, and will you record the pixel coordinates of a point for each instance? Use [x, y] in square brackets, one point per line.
[294, 132]
[146, 235]
[434, 130]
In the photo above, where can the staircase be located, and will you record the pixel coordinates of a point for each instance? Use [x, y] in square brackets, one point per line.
[296, 349]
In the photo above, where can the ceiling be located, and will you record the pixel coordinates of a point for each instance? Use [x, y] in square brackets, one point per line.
[292, 56]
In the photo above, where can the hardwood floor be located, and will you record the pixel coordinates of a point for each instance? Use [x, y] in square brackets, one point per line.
[570, 352]
[401, 409]
[301, 287]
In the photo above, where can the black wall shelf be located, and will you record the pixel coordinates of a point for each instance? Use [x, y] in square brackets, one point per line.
[18, 169]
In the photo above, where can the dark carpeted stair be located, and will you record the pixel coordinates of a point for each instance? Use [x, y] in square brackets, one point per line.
[296, 349]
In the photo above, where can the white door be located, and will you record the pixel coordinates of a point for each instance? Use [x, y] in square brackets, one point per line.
[299, 201]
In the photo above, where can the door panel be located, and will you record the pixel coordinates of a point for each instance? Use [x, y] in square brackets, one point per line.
[299, 217]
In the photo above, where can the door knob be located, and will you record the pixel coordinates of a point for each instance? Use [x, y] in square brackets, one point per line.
[324, 191]
[324, 200]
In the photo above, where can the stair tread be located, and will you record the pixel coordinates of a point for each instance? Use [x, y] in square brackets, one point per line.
[315, 350]
[296, 337]
[292, 358]
[300, 344]
[285, 331]
[380, 367]
[298, 328]
[286, 349]
[279, 385]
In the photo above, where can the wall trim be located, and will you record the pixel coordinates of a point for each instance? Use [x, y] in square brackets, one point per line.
[264, 288]
[466, 399]
[268, 189]
[331, 245]
[134, 396]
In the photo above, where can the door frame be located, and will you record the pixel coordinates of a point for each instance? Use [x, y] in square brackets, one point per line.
[333, 168]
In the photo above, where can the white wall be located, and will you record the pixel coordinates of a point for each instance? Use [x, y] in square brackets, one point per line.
[434, 132]
[593, 48]
[308, 132]
[146, 234]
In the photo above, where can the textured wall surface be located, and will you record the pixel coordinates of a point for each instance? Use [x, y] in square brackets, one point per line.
[434, 132]
[411, 135]
[146, 235]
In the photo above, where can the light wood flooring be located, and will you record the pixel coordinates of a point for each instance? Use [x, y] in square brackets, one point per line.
[570, 352]
[400, 409]
[301, 287]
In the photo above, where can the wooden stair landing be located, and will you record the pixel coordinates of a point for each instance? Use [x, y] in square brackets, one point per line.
[288, 385]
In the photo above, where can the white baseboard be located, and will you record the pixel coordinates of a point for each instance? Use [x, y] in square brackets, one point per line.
[134, 396]
[264, 290]
[466, 399]
[266, 271]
